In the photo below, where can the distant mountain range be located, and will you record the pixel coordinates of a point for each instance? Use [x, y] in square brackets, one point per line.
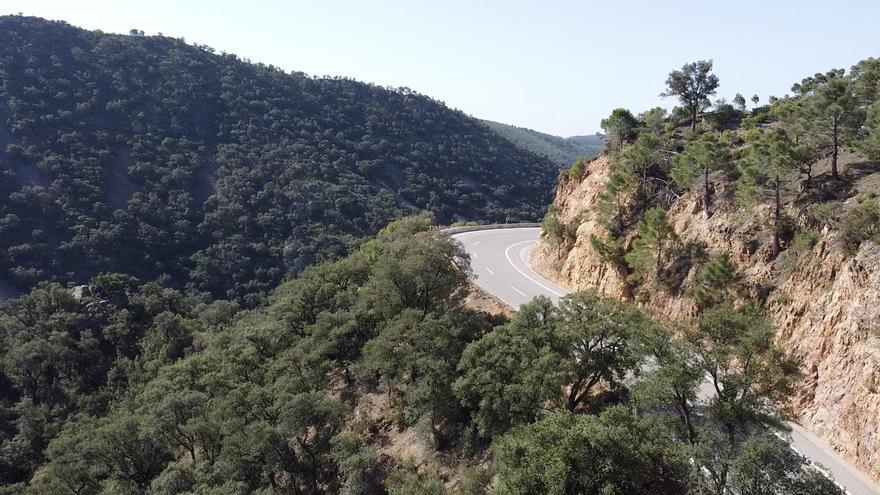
[560, 150]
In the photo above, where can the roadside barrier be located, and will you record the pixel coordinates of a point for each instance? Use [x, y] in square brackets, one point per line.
[448, 231]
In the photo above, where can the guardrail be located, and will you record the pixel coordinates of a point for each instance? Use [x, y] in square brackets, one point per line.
[448, 231]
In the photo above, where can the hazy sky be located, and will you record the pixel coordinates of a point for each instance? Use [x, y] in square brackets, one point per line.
[555, 66]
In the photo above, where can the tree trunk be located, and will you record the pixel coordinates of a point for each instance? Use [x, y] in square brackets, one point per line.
[686, 417]
[659, 256]
[694, 118]
[706, 190]
[619, 215]
[835, 143]
[777, 215]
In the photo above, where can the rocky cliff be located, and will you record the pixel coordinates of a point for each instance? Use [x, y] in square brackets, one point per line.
[825, 304]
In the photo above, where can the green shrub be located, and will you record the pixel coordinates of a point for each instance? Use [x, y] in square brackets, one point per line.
[576, 171]
[552, 226]
[861, 224]
[802, 242]
[822, 214]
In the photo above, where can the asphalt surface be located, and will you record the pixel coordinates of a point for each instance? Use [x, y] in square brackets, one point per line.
[499, 259]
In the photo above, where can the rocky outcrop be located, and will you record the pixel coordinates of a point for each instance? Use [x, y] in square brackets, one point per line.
[826, 306]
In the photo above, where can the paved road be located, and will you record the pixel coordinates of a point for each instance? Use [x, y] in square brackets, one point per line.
[500, 264]
[499, 259]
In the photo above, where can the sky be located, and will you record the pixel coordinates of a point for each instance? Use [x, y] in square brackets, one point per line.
[555, 66]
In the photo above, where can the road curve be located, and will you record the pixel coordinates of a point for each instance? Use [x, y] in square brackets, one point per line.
[500, 261]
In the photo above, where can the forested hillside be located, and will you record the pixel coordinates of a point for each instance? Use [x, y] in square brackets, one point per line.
[563, 151]
[368, 375]
[148, 156]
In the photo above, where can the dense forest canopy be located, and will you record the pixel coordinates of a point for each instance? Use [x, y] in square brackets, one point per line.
[148, 156]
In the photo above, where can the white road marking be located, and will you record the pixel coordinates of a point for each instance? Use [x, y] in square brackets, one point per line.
[524, 274]
[477, 243]
[490, 270]
[519, 291]
[475, 255]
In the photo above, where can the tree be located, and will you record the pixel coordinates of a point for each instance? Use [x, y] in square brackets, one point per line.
[739, 102]
[653, 120]
[766, 465]
[655, 233]
[700, 158]
[798, 119]
[866, 87]
[747, 374]
[410, 480]
[834, 108]
[674, 379]
[422, 272]
[871, 142]
[414, 358]
[859, 225]
[755, 99]
[768, 158]
[612, 200]
[357, 463]
[692, 84]
[507, 376]
[645, 162]
[715, 282]
[866, 81]
[620, 127]
[615, 452]
[603, 337]
[561, 234]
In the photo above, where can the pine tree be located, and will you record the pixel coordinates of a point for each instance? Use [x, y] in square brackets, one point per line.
[644, 162]
[700, 158]
[655, 234]
[611, 205]
[715, 282]
[769, 157]
[835, 113]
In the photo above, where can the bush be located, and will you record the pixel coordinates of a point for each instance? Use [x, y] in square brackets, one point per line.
[576, 172]
[861, 224]
[724, 117]
[802, 242]
[821, 214]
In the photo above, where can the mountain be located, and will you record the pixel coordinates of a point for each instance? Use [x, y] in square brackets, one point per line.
[148, 156]
[562, 151]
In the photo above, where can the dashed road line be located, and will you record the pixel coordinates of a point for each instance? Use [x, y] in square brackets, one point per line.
[519, 291]
[490, 271]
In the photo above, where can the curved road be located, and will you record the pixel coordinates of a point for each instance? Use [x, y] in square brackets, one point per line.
[499, 258]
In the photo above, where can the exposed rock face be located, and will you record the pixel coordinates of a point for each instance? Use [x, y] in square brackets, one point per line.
[582, 268]
[827, 311]
[828, 316]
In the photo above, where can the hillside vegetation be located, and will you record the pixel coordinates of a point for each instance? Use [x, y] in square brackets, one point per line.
[562, 151]
[775, 204]
[211, 179]
[367, 375]
[148, 156]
